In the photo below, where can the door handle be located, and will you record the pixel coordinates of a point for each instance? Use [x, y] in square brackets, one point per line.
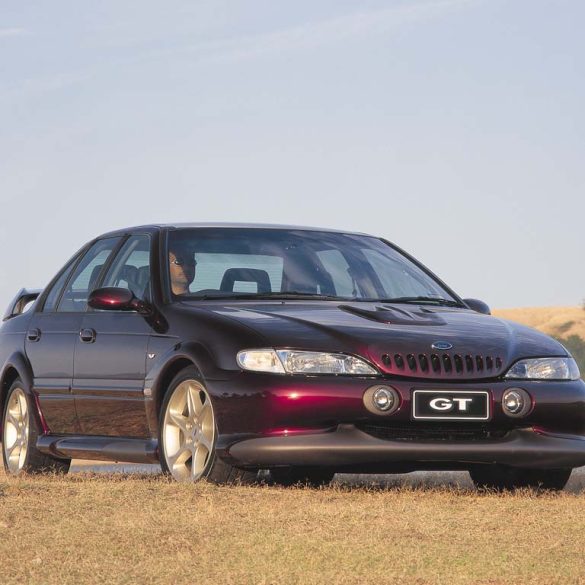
[87, 335]
[33, 335]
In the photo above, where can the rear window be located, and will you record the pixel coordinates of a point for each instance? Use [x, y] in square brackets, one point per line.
[211, 269]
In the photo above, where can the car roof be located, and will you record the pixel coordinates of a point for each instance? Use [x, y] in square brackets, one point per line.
[259, 226]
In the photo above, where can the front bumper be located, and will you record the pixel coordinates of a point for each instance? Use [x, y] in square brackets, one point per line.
[262, 404]
[349, 449]
[270, 421]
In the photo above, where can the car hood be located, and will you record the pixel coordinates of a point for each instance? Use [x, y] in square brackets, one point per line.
[397, 338]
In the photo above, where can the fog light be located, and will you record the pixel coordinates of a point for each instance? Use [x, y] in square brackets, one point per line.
[381, 399]
[516, 402]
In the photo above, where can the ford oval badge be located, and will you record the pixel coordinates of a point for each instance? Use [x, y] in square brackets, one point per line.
[442, 345]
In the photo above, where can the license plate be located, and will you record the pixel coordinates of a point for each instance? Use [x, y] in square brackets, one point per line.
[450, 405]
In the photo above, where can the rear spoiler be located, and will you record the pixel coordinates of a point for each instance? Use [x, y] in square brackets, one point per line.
[20, 302]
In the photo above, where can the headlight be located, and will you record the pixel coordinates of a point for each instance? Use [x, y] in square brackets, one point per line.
[289, 361]
[545, 369]
[260, 360]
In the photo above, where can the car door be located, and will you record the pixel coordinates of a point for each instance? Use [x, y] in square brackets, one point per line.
[53, 332]
[111, 353]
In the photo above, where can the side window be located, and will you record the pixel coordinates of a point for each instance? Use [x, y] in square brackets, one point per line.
[53, 296]
[131, 267]
[338, 269]
[86, 274]
[397, 278]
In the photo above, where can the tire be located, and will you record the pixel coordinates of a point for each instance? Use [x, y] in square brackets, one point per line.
[188, 435]
[503, 478]
[20, 430]
[312, 477]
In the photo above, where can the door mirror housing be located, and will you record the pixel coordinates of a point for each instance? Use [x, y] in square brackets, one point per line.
[116, 299]
[478, 306]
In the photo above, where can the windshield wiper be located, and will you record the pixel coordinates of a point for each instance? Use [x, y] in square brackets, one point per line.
[285, 295]
[416, 300]
[293, 294]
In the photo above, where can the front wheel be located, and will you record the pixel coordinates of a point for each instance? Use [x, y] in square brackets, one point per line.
[503, 478]
[188, 434]
[19, 437]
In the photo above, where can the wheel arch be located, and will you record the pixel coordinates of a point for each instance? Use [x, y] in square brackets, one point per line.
[16, 366]
[167, 375]
[181, 357]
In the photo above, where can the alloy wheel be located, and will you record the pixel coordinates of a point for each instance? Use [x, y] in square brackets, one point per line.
[188, 431]
[16, 431]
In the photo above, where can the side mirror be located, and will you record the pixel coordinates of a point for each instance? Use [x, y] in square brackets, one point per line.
[116, 299]
[478, 306]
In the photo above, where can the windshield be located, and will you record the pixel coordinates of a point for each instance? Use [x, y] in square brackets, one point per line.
[209, 263]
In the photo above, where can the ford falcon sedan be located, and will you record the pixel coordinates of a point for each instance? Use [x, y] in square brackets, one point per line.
[222, 350]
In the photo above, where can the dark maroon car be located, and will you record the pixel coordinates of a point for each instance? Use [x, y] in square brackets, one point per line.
[222, 350]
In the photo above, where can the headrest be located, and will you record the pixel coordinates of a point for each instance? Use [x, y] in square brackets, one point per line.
[233, 275]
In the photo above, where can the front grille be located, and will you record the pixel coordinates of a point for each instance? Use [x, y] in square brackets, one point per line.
[443, 365]
[418, 432]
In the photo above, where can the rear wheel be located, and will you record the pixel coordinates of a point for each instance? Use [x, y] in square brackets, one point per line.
[188, 434]
[314, 477]
[501, 477]
[19, 437]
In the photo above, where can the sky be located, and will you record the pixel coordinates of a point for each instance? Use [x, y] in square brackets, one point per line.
[454, 128]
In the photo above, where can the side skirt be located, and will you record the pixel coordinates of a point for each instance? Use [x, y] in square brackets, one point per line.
[100, 448]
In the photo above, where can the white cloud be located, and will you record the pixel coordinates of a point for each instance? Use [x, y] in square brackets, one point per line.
[12, 32]
[40, 85]
[315, 34]
[298, 38]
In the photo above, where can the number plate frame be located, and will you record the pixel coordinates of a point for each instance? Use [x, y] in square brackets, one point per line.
[421, 409]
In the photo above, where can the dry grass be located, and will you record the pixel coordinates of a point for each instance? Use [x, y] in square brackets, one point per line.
[557, 321]
[144, 529]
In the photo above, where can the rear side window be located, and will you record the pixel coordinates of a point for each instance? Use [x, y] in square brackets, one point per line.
[131, 268]
[55, 292]
[400, 279]
[339, 272]
[86, 275]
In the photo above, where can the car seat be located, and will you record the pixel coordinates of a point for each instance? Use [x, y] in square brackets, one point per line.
[233, 275]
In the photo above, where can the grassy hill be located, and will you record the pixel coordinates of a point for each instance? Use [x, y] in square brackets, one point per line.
[567, 324]
[555, 321]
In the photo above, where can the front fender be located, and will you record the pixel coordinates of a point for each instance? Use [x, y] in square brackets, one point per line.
[194, 352]
[18, 366]
[165, 367]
